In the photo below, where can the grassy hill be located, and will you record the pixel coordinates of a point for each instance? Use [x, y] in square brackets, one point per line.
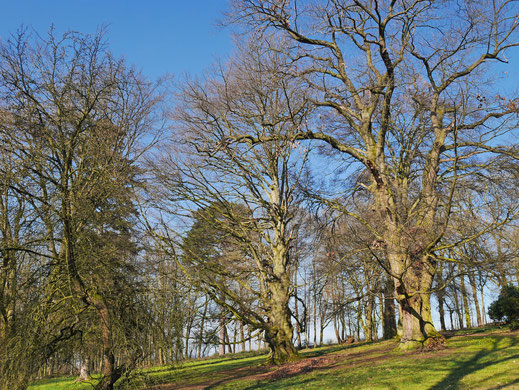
[475, 359]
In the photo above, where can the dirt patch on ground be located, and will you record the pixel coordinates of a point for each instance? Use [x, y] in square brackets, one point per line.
[221, 377]
[300, 367]
[349, 357]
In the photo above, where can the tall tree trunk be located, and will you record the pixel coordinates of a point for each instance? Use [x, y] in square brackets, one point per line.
[441, 309]
[296, 311]
[457, 307]
[111, 373]
[315, 319]
[483, 312]
[227, 340]
[221, 350]
[368, 327]
[242, 336]
[465, 298]
[189, 325]
[360, 321]
[440, 294]
[202, 328]
[389, 317]
[336, 329]
[279, 332]
[472, 280]
[234, 337]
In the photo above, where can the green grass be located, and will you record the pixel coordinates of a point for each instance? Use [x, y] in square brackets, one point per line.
[61, 383]
[473, 360]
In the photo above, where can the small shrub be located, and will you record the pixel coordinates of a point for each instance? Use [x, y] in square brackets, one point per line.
[506, 307]
[514, 325]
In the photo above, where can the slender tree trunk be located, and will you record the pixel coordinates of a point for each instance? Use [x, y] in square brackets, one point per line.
[336, 329]
[350, 330]
[343, 324]
[221, 349]
[315, 319]
[472, 281]
[457, 307]
[464, 296]
[227, 340]
[202, 328]
[368, 327]
[296, 311]
[242, 336]
[441, 310]
[440, 294]
[483, 309]
[189, 325]
[360, 322]
[234, 338]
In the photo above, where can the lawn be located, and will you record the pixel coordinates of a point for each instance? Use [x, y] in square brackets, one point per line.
[474, 359]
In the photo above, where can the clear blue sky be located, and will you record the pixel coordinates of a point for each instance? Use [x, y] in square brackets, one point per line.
[158, 36]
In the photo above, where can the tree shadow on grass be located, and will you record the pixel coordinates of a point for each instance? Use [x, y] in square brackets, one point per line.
[310, 353]
[474, 364]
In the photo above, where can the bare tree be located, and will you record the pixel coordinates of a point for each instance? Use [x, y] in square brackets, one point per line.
[406, 97]
[246, 194]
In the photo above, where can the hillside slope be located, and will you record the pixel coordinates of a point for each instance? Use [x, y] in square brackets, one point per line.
[474, 359]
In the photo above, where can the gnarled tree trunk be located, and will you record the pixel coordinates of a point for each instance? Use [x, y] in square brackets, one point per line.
[280, 331]
[413, 292]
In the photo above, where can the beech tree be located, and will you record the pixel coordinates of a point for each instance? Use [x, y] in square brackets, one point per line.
[407, 96]
[245, 193]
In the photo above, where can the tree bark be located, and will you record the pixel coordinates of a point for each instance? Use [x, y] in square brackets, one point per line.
[296, 311]
[457, 307]
[279, 332]
[202, 327]
[483, 312]
[368, 327]
[441, 310]
[389, 317]
[336, 329]
[464, 296]
[221, 350]
[472, 281]
[84, 373]
[242, 336]
[111, 373]
[413, 292]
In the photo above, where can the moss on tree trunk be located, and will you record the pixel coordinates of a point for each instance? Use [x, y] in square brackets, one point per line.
[413, 292]
[279, 332]
[279, 339]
